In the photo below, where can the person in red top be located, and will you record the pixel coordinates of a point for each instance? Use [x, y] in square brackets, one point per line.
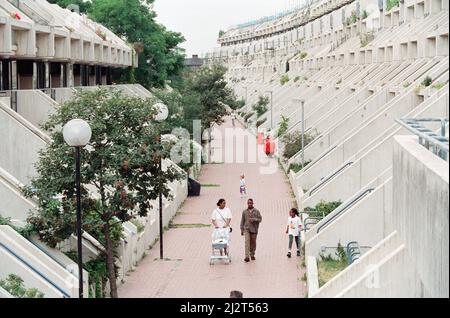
[269, 146]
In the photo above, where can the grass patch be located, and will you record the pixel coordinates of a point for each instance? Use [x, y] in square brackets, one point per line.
[189, 226]
[439, 85]
[210, 185]
[329, 269]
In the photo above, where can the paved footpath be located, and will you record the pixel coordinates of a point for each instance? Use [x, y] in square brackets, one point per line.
[186, 271]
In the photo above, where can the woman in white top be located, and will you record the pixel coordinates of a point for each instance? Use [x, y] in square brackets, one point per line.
[221, 219]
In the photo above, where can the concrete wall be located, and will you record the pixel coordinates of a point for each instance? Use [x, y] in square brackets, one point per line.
[19, 145]
[366, 223]
[35, 106]
[421, 183]
[14, 205]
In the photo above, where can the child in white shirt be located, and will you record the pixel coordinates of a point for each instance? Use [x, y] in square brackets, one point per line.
[243, 186]
[293, 230]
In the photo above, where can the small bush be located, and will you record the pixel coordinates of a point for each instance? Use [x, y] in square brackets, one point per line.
[296, 79]
[296, 167]
[324, 208]
[339, 82]
[261, 105]
[366, 38]
[439, 85]
[391, 4]
[302, 55]
[246, 118]
[364, 15]
[13, 284]
[293, 143]
[406, 84]
[284, 79]
[427, 81]
[283, 126]
[260, 122]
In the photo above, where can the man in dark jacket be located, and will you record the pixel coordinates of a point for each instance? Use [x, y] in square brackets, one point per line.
[251, 218]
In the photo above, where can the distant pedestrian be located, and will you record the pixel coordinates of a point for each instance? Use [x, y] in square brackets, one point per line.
[243, 186]
[251, 218]
[293, 231]
[233, 117]
[269, 146]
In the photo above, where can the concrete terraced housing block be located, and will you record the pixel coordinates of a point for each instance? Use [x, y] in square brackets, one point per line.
[345, 71]
[47, 53]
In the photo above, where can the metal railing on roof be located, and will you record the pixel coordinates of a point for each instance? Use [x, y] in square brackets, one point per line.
[275, 16]
[438, 144]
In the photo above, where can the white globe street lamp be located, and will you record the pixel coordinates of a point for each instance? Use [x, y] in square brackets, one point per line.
[77, 133]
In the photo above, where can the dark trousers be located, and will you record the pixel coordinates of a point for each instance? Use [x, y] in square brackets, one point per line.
[250, 244]
[297, 241]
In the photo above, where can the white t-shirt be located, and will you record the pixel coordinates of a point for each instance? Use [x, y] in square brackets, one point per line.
[294, 226]
[217, 215]
[242, 183]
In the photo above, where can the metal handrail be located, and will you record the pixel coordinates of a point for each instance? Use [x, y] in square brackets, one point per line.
[427, 138]
[306, 223]
[353, 252]
[325, 180]
[344, 208]
[34, 270]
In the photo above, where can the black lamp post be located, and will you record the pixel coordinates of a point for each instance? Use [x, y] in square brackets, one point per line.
[162, 115]
[77, 134]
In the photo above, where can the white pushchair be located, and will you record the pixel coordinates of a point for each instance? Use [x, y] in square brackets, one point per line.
[220, 242]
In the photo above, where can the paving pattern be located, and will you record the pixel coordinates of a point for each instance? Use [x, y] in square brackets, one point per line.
[186, 272]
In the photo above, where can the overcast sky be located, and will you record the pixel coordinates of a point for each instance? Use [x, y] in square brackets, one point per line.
[201, 20]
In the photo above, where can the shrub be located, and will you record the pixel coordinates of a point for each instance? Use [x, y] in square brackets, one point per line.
[293, 143]
[366, 38]
[354, 17]
[302, 55]
[260, 122]
[296, 79]
[296, 167]
[364, 15]
[246, 118]
[13, 284]
[325, 208]
[439, 85]
[284, 79]
[339, 82]
[406, 84]
[283, 126]
[391, 4]
[427, 81]
[261, 105]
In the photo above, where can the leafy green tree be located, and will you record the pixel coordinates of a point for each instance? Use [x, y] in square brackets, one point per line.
[160, 58]
[82, 5]
[260, 106]
[120, 170]
[202, 96]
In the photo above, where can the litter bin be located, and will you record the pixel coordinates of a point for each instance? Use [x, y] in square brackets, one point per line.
[194, 188]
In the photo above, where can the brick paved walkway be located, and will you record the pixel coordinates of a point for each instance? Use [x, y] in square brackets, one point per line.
[187, 273]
